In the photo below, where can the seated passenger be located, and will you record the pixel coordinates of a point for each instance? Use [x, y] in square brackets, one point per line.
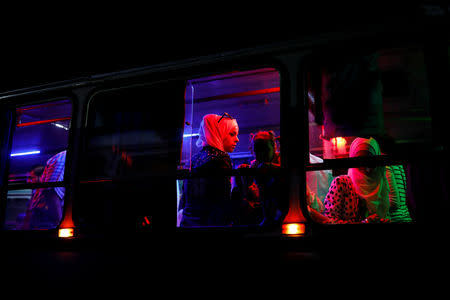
[206, 200]
[35, 174]
[317, 184]
[398, 210]
[315, 206]
[318, 181]
[363, 194]
[45, 208]
[261, 195]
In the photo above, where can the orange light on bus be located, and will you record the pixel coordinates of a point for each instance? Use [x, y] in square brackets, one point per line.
[293, 229]
[65, 232]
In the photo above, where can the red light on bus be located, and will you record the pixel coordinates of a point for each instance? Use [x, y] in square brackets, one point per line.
[294, 229]
[146, 222]
[66, 232]
[339, 144]
[42, 122]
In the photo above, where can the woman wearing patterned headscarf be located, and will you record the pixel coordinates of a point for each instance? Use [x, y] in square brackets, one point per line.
[206, 200]
[363, 192]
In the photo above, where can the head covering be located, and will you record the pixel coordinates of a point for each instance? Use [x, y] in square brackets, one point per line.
[212, 132]
[362, 144]
[259, 146]
[373, 187]
[263, 135]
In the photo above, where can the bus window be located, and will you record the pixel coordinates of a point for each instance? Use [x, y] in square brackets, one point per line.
[241, 109]
[368, 194]
[38, 155]
[131, 151]
[373, 105]
[383, 95]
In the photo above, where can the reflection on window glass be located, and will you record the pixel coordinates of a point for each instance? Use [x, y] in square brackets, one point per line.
[382, 95]
[32, 209]
[130, 131]
[132, 148]
[38, 155]
[232, 121]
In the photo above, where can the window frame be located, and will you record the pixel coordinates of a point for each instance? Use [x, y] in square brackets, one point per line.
[438, 152]
[115, 85]
[284, 79]
[7, 186]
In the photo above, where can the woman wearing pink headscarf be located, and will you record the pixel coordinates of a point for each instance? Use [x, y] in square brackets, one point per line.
[362, 193]
[206, 200]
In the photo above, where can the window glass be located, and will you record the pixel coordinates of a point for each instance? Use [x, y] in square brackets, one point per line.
[130, 131]
[365, 106]
[132, 147]
[383, 95]
[38, 155]
[232, 121]
[375, 194]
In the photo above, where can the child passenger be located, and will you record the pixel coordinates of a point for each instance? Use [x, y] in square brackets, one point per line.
[261, 194]
[206, 200]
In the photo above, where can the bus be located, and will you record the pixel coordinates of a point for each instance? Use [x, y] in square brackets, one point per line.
[96, 173]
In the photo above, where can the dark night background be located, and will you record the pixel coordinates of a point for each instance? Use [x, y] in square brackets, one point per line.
[75, 42]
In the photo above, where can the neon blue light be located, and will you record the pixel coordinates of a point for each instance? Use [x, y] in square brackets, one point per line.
[25, 153]
[190, 135]
[237, 155]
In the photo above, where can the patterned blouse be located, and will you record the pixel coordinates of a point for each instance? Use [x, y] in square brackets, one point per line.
[342, 203]
[211, 158]
[206, 198]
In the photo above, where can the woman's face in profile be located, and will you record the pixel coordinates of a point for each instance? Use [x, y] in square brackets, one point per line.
[231, 139]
